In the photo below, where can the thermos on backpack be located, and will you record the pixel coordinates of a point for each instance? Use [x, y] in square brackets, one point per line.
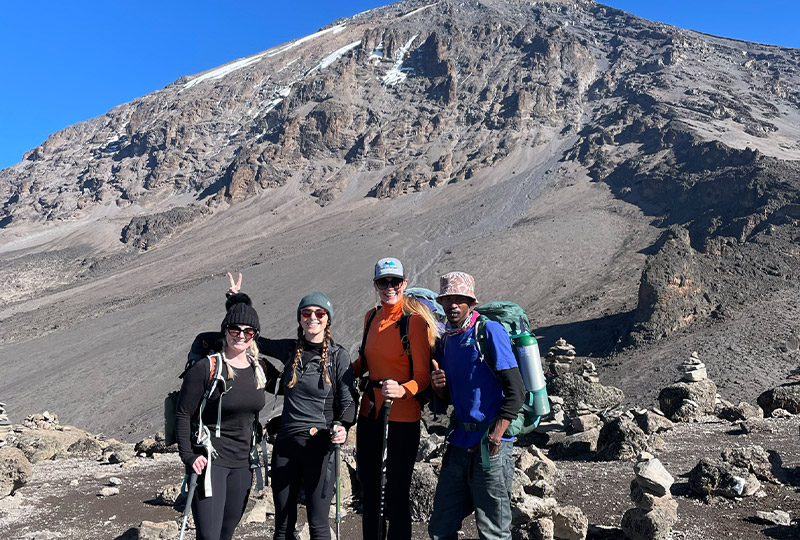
[530, 364]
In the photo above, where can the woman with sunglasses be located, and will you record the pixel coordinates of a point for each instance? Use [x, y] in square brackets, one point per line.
[231, 413]
[318, 406]
[384, 359]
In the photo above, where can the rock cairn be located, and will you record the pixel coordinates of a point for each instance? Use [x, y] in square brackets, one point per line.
[561, 356]
[693, 369]
[590, 372]
[655, 510]
[3, 416]
[693, 396]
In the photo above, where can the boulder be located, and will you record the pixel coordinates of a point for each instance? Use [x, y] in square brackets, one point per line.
[742, 411]
[786, 396]
[621, 439]
[577, 444]
[776, 517]
[653, 477]
[536, 465]
[423, 489]
[119, 452]
[656, 524]
[578, 392]
[712, 477]
[569, 523]
[538, 529]
[170, 495]
[651, 422]
[531, 508]
[684, 401]
[43, 444]
[15, 470]
[586, 422]
[751, 458]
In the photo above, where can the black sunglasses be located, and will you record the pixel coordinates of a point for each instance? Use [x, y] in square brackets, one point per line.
[385, 283]
[234, 331]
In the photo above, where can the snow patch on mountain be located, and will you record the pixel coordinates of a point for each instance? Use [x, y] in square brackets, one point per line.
[335, 55]
[398, 73]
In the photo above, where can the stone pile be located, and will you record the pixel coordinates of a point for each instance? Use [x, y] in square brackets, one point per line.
[561, 356]
[656, 511]
[3, 416]
[45, 420]
[535, 513]
[590, 372]
[693, 396]
[693, 369]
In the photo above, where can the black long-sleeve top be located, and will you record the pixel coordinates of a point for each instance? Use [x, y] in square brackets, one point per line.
[311, 402]
[240, 406]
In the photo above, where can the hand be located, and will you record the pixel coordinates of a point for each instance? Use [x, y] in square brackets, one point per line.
[494, 449]
[338, 434]
[438, 379]
[235, 286]
[392, 390]
[199, 464]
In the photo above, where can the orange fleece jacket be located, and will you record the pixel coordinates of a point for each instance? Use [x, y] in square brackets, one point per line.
[386, 359]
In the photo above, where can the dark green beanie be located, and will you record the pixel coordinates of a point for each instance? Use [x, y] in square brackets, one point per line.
[316, 298]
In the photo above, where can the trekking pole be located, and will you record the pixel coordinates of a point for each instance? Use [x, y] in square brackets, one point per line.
[189, 497]
[337, 457]
[387, 404]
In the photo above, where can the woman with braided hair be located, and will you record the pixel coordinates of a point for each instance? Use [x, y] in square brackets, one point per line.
[318, 407]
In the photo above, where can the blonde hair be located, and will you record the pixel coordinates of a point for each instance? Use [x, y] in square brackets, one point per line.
[298, 353]
[413, 306]
[252, 356]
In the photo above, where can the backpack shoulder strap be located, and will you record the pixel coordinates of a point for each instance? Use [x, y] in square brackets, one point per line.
[482, 340]
[403, 326]
[361, 349]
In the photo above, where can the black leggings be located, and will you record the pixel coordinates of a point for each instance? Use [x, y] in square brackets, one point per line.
[401, 455]
[303, 461]
[217, 516]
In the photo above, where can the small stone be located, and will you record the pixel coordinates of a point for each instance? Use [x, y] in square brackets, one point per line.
[73, 482]
[149, 530]
[114, 481]
[108, 492]
[776, 517]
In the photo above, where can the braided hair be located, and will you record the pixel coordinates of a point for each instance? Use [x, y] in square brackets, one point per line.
[300, 347]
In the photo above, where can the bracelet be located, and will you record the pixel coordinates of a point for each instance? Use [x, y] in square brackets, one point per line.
[495, 442]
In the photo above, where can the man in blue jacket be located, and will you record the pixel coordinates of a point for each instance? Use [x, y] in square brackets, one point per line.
[486, 399]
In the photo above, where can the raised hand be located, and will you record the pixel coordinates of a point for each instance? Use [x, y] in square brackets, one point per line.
[235, 285]
[438, 378]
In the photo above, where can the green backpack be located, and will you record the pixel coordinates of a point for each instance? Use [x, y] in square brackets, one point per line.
[526, 351]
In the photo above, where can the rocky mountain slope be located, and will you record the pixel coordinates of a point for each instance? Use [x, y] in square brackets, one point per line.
[631, 184]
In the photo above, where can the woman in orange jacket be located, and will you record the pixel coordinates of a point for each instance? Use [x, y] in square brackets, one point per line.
[396, 371]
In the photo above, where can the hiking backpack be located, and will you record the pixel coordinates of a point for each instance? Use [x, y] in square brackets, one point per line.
[200, 350]
[517, 325]
[535, 405]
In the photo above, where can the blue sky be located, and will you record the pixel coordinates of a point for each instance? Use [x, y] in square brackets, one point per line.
[67, 61]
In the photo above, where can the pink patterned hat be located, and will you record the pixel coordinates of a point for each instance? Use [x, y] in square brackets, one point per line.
[459, 283]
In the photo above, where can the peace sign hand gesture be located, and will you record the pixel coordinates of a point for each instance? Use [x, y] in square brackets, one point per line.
[235, 285]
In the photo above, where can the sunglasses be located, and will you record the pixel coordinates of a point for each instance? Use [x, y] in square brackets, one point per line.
[306, 313]
[248, 333]
[385, 283]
